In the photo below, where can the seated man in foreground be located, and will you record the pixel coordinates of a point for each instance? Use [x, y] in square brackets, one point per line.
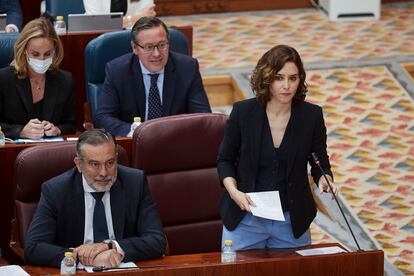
[150, 82]
[104, 211]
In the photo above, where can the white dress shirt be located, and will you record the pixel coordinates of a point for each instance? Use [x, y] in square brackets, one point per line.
[89, 208]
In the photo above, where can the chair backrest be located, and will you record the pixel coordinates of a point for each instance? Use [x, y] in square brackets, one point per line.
[7, 41]
[32, 167]
[64, 8]
[109, 46]
[179, 153]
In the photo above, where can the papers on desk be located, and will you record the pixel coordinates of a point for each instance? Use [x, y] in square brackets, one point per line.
[126, 265]
[267, 205]
[13, 270]
[321, 251]
[41, 140]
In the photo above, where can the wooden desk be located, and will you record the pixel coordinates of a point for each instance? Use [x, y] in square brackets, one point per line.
[8, 155]
[74, 61]
[255, 262]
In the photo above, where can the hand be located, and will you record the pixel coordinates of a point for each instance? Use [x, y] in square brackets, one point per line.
[242, 200]
[108, 258]
[10, 29]
[50, 129]
[33, 130]
[86, 253]
[324, 186]
[149, 11]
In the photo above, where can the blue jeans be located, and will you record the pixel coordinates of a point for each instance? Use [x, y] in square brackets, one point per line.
[255, 232]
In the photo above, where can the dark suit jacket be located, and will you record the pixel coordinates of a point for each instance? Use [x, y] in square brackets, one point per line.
[14, 12]
[239, 157]
[59, 221]
[123, 94]
[16, 103]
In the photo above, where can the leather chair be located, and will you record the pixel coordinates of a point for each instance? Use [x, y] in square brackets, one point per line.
[109, 46]
[32, 167]
[179, 153]
[64, 8]
[7, 41]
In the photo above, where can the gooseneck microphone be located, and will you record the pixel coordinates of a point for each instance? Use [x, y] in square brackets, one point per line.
[104, 268]
[316, 160]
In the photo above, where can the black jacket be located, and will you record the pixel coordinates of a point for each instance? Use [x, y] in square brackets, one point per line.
[16, 102]
[239, 156]
[59, 221]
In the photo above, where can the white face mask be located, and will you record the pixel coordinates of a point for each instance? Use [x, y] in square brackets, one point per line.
[40, 66]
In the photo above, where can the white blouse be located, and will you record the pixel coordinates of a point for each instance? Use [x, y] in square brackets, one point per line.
[104, 6]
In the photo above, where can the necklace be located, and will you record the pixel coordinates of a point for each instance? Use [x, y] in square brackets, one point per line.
[37, 84]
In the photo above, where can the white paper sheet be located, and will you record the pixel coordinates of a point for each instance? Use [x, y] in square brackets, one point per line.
[89, 268]
[13, 270]
[267, 205]
[321, 251]
[41, 140]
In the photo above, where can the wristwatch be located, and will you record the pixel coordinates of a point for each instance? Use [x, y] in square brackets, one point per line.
[109, 243]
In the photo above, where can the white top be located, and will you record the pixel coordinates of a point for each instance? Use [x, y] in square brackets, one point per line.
[97, 6]
[104, 6]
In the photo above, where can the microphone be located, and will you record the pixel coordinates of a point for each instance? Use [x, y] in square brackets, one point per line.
[316, 160]
[104, 268]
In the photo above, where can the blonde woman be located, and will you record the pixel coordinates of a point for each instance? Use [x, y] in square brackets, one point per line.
[36, 97]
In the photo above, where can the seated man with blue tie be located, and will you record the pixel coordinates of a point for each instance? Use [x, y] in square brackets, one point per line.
[103, 211]
[150, 82]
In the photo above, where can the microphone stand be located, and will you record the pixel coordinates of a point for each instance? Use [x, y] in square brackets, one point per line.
[316, 160]
[103, 268]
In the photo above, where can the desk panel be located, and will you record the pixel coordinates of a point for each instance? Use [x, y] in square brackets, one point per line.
[255, 262]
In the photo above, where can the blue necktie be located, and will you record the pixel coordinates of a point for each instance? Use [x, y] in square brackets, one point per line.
[100, 228]
[154, 101]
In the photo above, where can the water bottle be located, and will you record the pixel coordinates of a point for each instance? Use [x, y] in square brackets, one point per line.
[68, 264]
[135, 124]
[60, 25]
[228, 254]
[2, 138]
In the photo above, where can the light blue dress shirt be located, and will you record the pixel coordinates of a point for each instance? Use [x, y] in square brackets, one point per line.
[147, 84]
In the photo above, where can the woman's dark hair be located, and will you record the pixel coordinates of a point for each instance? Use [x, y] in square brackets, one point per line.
[267, 68]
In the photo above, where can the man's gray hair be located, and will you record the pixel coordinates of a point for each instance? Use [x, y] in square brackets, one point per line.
[96, 136]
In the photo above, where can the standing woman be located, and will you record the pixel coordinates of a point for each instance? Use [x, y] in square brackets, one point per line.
[36, 97]
[266, 147]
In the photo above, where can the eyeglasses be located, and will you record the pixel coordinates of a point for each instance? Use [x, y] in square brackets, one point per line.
[148, 48]
[96, 166]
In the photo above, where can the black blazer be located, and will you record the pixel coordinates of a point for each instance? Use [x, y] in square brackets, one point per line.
[239, 157]
[123, 93]
[59, 221]
[16, 102]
